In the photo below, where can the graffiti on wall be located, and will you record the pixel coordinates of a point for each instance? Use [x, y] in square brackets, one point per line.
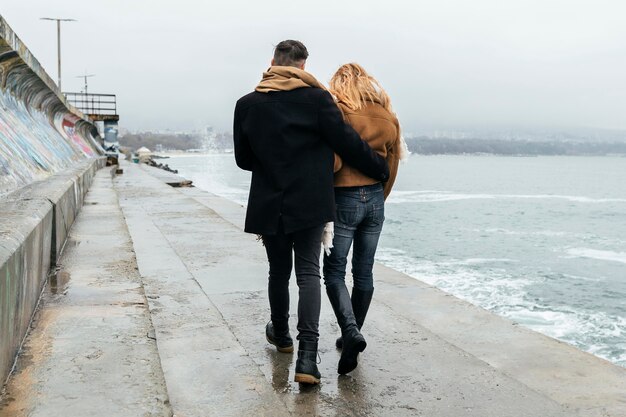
[39, 135]
[69, 128]
[30, 147]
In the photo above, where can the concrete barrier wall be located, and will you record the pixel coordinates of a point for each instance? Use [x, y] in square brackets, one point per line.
[49, 153]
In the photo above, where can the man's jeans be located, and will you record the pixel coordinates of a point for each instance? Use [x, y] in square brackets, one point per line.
[306, 245]
[360, 217]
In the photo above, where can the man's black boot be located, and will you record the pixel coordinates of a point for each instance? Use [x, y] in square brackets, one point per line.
[353, 340]
[306, 365]
[361, 301]
[279, 337]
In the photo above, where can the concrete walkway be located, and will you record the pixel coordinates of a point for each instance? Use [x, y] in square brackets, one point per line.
[92, 350]
[429, 354]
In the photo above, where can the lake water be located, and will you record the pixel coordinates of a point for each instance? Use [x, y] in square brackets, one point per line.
[541, 240]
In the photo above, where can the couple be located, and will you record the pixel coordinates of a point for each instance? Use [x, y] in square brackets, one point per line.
[310, 167]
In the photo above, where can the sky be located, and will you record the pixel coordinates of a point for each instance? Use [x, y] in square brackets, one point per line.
[182, 64]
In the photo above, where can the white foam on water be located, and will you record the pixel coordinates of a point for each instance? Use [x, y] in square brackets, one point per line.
[548, 233]
[459, 278]
[581, 278]
[398, 197]
[434, 196]
[496, 290]
[481, 261]
[602, 255]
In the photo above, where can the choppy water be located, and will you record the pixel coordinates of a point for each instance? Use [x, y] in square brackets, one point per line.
[541, 241]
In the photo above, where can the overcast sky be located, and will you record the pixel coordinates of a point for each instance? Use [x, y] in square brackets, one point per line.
[182, 64]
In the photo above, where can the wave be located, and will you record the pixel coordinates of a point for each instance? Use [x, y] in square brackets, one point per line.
[497, 290]
[581, 278]
[549, 233]
[433, 196]
[478, 261]
[602, 255]
[459, 277]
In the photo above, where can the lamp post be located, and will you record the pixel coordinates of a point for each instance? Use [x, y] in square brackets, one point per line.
[59, 41]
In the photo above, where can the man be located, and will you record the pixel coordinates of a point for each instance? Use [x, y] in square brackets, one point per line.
[285, 132]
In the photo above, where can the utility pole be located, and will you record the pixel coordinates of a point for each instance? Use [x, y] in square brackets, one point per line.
[59, 41]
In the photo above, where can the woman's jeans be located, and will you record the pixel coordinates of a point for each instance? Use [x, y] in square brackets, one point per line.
[306, 246]
[360, 216]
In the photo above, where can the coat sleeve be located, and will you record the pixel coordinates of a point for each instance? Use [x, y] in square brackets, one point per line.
[243, 151]
[393, 160]
[344, 140]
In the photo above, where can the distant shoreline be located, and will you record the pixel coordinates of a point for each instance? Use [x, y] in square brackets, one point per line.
[445, 146]
[197, 144]
[184, 154]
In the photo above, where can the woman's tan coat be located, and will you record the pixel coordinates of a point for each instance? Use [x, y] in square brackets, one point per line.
[381, 130]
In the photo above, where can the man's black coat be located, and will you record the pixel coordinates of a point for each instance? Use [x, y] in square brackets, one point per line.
[287, 139]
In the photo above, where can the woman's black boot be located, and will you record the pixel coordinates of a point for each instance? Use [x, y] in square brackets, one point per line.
[306, 365]
[353, 340]
[361, 301]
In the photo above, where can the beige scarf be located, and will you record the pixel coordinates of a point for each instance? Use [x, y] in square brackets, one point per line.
[278, 78]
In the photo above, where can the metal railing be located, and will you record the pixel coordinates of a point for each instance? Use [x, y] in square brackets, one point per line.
[93, 104]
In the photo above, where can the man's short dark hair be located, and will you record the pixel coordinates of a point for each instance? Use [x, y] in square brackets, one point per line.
[290, 53]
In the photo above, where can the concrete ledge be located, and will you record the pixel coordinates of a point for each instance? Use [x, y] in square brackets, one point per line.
[34, 226]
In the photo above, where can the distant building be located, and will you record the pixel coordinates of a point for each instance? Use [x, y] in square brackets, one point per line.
[144, 154]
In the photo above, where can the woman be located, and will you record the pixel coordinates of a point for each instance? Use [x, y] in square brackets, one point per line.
[360, 204]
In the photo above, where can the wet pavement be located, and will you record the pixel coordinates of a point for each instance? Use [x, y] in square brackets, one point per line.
[89, 352]
[202, 295]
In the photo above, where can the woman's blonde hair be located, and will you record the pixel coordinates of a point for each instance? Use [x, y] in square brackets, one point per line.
[354, 87]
